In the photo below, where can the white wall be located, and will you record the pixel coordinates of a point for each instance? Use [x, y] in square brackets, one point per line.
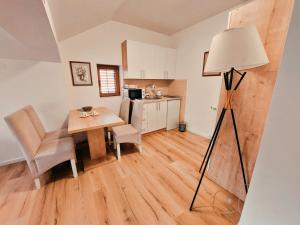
[101, 45]
[40, 84]
[274, 195]
[25, 32]
[202, 92]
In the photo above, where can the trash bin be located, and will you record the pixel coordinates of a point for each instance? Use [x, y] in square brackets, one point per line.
[182, 127]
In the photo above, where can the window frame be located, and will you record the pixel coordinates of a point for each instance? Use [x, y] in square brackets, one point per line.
[117, 79]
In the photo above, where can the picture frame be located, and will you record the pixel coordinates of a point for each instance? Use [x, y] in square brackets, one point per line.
[81, 73]
[207, 74]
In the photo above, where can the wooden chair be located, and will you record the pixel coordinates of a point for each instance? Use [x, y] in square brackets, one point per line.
[42, 150]
[130, 133]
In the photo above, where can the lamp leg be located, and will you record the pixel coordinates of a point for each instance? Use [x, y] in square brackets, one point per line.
[208, 157]
[239, 150]
[212, 138]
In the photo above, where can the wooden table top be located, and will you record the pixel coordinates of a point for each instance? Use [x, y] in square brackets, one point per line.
[106, 118]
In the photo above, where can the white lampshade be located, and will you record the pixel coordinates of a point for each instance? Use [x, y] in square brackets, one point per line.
[240, 48]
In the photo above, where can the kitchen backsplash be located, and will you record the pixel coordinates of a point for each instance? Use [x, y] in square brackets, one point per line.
[161, 85]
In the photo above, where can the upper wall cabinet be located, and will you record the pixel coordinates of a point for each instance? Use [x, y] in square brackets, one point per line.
[170, 63]
[145, 61]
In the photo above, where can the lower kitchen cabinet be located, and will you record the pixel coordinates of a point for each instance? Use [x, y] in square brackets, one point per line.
[154, 116]
[160, 115]
[173, 114]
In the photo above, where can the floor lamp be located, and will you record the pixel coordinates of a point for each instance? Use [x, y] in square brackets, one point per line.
[232, 51]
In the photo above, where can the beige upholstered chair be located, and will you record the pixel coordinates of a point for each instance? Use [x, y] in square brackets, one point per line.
[124, 109]
[130, 133]
[42, 150]
[63, 132]
[123, 114]
[40, 128]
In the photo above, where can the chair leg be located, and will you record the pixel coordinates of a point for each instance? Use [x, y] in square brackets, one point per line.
[74, 169]
[115, 143]
[118, 152]
[140, 147]
[109, 137]
[37, 183]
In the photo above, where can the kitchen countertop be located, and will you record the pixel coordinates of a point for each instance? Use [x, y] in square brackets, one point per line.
[166, 98]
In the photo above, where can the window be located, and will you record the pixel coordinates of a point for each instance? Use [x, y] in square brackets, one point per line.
[109, 81]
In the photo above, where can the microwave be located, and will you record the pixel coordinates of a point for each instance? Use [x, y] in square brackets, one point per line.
[133, 93]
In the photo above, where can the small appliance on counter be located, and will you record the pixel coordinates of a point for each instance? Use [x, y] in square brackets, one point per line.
[133, 93]
[158, 94]
[152, 92]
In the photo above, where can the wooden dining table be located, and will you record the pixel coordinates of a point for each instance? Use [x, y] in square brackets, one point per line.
[94, 127]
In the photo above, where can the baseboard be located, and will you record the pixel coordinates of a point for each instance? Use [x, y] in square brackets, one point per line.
[11, 161]
[205, 135]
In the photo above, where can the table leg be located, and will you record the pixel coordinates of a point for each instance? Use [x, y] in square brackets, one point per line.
[96, 143]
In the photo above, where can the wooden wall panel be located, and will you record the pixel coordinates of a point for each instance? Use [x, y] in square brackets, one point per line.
[252, 100]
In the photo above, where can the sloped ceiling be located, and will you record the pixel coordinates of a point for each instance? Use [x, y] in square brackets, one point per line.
[25, 32]
[71, 17]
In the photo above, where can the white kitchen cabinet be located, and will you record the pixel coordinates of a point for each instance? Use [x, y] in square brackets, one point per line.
[146, 61]
[151, 111]
[170, 64]
[154, 116]
[173, 114]
[159, 62]
[133, 63]
[145, 119]
[147, 57]
[161, 115]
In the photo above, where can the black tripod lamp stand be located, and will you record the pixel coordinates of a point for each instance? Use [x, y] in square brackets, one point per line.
[231, 51]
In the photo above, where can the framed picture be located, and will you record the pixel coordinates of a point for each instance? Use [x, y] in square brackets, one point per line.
[81, 73]
[207, 74]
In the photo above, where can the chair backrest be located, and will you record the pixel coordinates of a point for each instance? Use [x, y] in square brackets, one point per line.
[27, 135]
[37, 123]
[137, 115]
[124, 109]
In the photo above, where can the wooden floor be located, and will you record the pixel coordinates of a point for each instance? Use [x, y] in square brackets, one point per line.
[155, 187]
